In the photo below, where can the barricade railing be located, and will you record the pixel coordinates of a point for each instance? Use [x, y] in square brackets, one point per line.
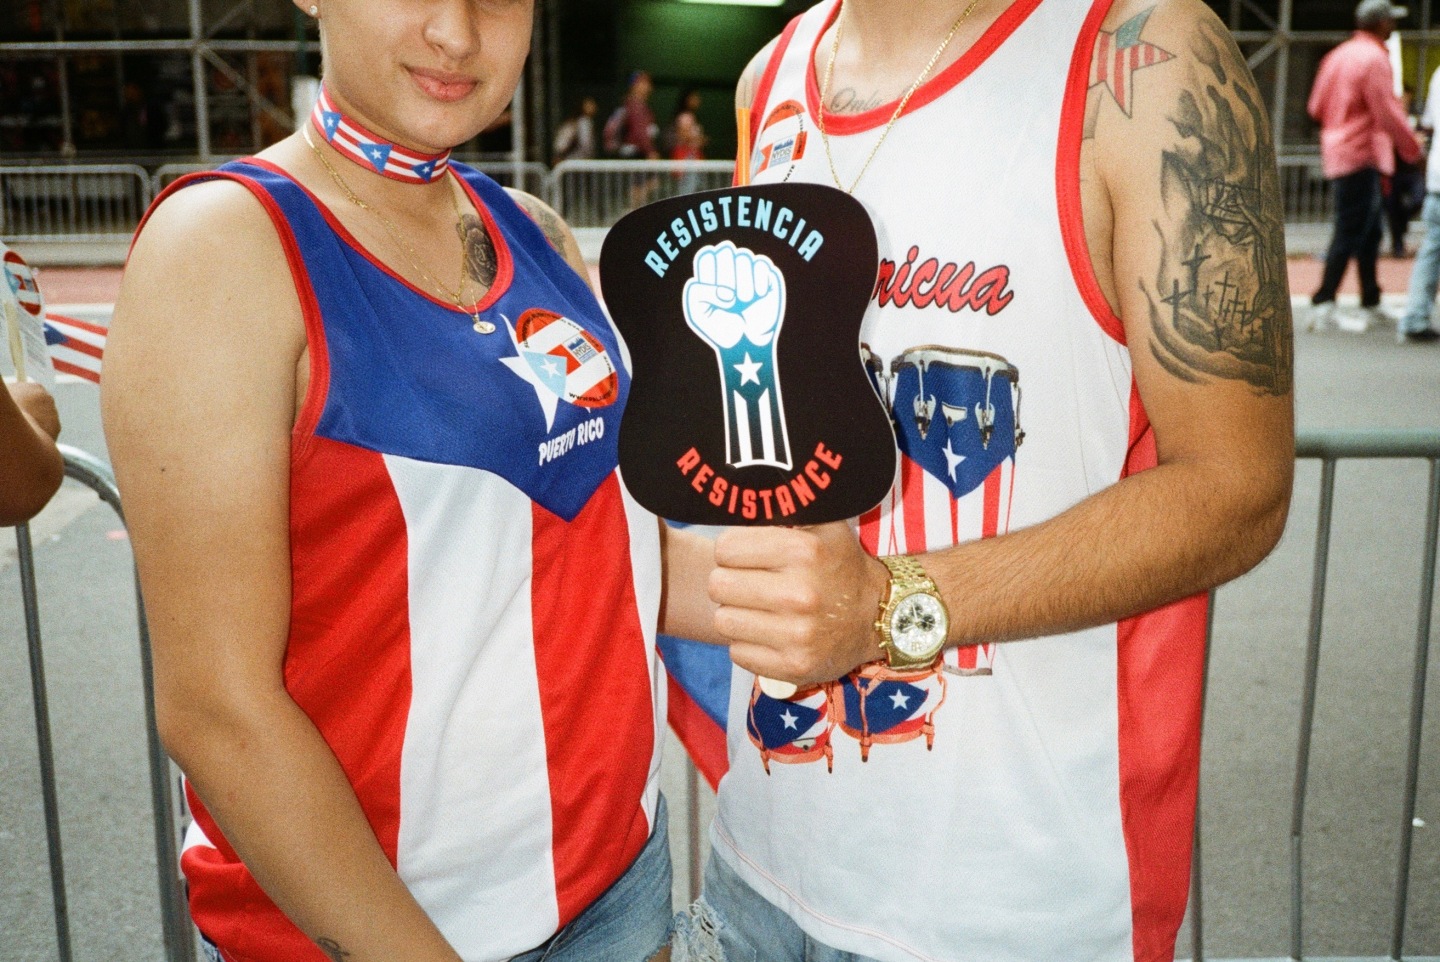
[1304, 189]
[169, 173]
[597, 193]
[533, 178]
[88, 202]
[72, 203]
[179, 934]
[1328, 448]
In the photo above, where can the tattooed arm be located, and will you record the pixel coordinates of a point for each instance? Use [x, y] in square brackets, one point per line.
[556, 231]
[1183, 215]
[1198, 271]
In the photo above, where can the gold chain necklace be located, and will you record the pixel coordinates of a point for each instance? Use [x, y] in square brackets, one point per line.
[458, 294]
[904, 102]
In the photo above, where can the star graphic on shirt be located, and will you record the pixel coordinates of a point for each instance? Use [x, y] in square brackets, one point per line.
[552, 366]
[789, 719]
[749, 371]
[548, 399]
[952, 459]
[900, 700]
[1118, 54]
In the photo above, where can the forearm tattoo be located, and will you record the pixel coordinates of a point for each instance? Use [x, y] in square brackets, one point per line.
[480, 259]
[1219, 303]
[332, 949]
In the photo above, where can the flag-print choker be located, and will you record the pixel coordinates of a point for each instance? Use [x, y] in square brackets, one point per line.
[373, 152]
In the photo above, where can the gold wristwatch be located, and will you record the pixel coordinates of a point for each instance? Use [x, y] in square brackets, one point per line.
[913, 622]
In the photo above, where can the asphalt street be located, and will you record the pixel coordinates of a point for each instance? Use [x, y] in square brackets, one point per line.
[1352, 824]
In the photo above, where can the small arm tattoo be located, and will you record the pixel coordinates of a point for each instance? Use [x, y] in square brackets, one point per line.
[332, 949]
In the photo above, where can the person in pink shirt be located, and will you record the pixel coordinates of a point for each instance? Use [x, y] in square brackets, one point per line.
[1362, 128]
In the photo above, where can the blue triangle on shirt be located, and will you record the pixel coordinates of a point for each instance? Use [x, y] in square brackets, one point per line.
[377, 154]
[549, 369]
[425, 171]
[330, 120]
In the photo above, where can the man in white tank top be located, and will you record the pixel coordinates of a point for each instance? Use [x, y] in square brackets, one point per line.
[994, 749]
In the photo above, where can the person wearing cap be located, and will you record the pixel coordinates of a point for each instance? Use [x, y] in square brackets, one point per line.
[1362, 128]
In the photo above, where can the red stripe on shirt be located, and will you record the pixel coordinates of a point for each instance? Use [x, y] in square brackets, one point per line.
[364, 721]
[870, 531]
[590, 657]
[912, 481]
[1160, 668]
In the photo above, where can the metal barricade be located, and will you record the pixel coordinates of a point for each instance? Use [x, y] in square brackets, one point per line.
[166, 175]
[179, 934]
[1305, 190]
[1330, 447]
[532, 178]
[105, 202]
[72, 203]
[597, 193]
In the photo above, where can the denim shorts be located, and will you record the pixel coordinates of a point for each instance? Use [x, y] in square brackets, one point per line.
[733, 923]
[629, 922]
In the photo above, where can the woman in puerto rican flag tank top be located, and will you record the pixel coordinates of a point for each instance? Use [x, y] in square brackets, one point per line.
[364, 411]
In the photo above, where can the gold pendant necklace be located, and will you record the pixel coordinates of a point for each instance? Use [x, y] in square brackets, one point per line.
[904, 102]
[458, 294]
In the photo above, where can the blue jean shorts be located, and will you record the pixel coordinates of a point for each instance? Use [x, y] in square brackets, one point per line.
[629, 922]
[733, 923]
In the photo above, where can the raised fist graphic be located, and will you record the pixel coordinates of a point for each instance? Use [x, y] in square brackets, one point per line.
[735, 302]
[735, 293]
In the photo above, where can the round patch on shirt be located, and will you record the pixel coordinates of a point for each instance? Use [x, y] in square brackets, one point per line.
[572, 362]
[782, 140]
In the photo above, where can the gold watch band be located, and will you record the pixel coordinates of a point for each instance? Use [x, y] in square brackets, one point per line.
[907, 572]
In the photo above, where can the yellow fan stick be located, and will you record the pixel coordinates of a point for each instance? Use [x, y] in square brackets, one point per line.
[742, 159]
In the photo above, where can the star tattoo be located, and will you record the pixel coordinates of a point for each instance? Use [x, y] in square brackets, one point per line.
[1119, 54]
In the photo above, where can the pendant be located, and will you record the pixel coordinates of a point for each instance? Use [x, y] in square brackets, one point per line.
[484, 327]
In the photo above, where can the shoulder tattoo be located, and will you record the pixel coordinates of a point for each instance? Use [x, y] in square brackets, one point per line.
[1120, 54]
[549, 223]
[1219, 301]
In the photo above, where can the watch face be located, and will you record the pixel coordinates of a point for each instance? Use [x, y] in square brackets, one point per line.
[919, 625]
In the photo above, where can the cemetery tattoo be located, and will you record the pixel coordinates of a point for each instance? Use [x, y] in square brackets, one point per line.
[1219, 303]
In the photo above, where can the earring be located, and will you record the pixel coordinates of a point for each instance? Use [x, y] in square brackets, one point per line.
[314, 10]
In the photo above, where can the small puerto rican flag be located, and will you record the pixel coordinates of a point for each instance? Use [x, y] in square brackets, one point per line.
[76, 347]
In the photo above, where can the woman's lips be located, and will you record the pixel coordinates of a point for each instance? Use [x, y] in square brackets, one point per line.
[447, 88]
